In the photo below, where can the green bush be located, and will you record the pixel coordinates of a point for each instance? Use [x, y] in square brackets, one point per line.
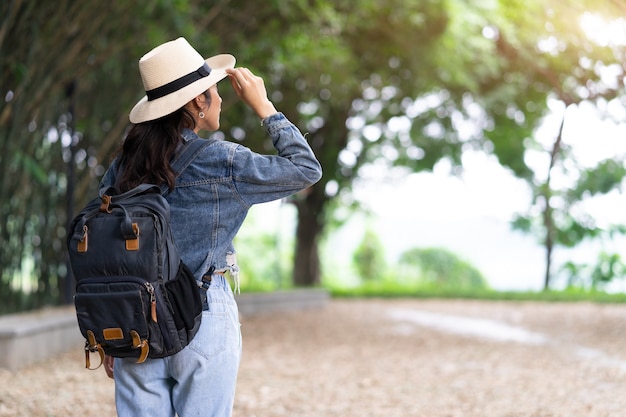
[369, 257]
[440, 268]
[396, 290]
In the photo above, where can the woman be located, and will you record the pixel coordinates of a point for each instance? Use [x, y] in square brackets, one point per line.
[208, 202]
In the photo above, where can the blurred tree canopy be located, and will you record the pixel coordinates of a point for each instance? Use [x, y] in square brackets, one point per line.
[67, 76]
[580, 70]
[374, 84]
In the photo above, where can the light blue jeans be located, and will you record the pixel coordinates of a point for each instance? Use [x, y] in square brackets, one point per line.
[197, 381]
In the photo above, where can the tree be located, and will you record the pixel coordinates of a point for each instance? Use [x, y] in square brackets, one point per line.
[575, 71]
[64, 78]
[45, 51]
[349, 72]
[480, 78]
[392, 84]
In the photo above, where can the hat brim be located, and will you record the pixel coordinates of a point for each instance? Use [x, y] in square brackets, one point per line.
[146, 110]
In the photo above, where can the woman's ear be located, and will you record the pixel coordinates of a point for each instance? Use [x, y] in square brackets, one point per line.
[200, 100]
[196, 104]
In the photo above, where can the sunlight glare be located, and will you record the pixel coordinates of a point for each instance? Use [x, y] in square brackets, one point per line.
[603, 33]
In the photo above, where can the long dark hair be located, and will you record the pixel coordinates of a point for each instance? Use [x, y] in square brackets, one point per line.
[145, 155]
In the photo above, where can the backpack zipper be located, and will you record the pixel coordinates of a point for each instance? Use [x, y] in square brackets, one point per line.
[153, 311]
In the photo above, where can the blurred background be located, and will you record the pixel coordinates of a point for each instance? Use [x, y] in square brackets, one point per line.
[468, 147]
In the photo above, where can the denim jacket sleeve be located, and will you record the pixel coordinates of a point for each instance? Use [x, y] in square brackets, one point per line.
[262, 178]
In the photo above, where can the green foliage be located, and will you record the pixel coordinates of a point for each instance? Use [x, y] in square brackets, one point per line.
[440, 268]
[369, 257]
[264, 254]
[595, 277]
[63, 80]
[260, 263]
[559, 215]
[603, 178]
[561, 58]
[455, 75]
[397, 290]
[609, 267]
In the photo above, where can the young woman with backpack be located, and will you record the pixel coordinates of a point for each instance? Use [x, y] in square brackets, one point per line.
[208, 202]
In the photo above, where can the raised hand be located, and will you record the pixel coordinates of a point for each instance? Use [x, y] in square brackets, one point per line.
[251, 89]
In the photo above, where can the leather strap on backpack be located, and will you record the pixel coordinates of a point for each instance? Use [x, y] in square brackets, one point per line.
[92, 346]
[140, 344]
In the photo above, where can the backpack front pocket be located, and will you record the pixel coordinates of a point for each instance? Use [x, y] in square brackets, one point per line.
[119, 311]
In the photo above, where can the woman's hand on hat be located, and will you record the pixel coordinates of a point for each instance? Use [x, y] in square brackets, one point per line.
[251, 89]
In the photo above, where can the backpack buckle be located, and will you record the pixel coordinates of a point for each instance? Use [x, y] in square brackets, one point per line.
[133, 244]
[91, 345]
[106, 201]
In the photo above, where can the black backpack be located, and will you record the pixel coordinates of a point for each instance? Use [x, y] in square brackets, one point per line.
[134, 295]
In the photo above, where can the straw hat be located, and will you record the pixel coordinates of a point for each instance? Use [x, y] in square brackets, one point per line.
[173, 74]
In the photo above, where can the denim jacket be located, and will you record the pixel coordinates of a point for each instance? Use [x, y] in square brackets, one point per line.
[213, 195]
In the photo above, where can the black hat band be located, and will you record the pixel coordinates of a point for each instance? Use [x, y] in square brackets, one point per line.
[179, 83]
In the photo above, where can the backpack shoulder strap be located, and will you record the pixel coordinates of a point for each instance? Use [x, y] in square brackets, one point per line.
[186, 155]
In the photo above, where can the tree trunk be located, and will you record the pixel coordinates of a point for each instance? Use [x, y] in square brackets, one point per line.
[326, 143]
[549, 242]
[548, 218]
[306, 270]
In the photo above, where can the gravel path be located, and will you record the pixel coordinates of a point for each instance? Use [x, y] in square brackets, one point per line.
[391, 358]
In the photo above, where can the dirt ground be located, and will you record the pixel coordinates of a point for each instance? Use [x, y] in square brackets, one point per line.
[391, 358]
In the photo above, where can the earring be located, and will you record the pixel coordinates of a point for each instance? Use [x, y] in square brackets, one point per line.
[201, 115]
